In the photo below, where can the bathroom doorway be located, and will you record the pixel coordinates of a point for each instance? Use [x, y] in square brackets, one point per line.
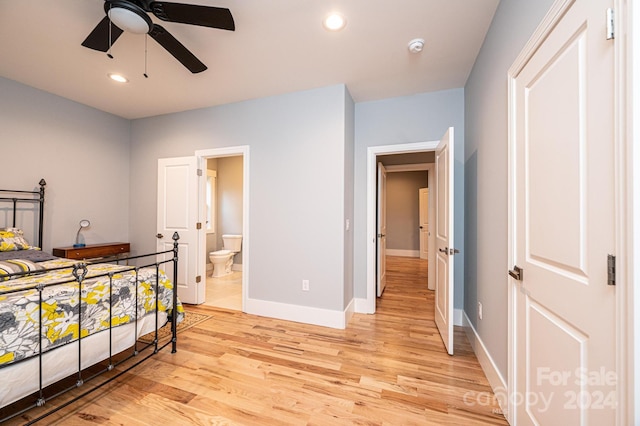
[224, 205]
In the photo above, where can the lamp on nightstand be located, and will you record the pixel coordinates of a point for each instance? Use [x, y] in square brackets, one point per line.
[84, 223]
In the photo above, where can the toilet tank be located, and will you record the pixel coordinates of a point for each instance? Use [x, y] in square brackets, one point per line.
[232, 242]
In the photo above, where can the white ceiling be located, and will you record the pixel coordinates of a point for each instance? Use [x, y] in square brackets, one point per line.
[279, 46]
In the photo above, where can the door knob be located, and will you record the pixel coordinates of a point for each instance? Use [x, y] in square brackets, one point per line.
[444, 250]
[516, 273]
[159, 236]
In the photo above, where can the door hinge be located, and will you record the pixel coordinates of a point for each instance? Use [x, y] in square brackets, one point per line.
[610, 28]
[199, 172]
[198, 279]
[199, 225]
[611, 269]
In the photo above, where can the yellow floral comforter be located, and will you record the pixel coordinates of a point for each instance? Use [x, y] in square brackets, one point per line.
[62, 319]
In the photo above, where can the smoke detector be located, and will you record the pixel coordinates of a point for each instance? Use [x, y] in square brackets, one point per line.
[416, 45]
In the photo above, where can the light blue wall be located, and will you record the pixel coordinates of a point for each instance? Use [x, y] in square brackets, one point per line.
[297, 184]
[418, 118]
[349, 146]
[81, 152]
[485, 163]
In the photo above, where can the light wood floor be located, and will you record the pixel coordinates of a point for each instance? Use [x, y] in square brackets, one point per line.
[225, 292]
[384, 369]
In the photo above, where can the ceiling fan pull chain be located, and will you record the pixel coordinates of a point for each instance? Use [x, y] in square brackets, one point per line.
[146, 38]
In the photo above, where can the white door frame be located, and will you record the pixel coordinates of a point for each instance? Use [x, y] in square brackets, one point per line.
[381, 220]
[627, 54]
[369, 306]
[201, 157]
[422, 211]
[627, 199]
[431, 272]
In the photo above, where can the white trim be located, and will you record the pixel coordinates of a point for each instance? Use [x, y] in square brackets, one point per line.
[627, 99]
[402, 253]
[361, 305]
[431, 256]
[632, 338]
[497, 382]
[302, 314]
[236, 267]
[555, 13]
[407, 167]
[458, 317]
[369, 307]
[511, 223]
[232, 151]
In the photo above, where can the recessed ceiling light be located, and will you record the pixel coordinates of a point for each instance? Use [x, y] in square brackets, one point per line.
[117, 77]
[334, 22]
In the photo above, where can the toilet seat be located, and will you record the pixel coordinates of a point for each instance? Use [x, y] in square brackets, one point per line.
[220, 253]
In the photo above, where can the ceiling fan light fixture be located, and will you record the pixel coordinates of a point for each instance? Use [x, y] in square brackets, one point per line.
[118, 77]
[128, 17]
[334, 22]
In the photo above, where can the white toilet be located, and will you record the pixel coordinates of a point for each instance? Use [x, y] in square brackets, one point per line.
[222, 260]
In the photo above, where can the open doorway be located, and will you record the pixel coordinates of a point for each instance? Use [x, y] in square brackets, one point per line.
[224, 253]
[410, 189]
[444, 229]
[372, 207]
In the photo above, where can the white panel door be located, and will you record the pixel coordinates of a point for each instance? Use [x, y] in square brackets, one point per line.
[444, 240]
[564, 225]
[423, 194]
[382, 229]
[178, 212]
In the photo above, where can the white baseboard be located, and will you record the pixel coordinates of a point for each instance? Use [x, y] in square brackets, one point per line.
[361, 306]
[302, 314]
[497, 382]
[403, 253]
[458, 315]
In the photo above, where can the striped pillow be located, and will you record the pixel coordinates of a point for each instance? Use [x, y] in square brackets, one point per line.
[12, 266]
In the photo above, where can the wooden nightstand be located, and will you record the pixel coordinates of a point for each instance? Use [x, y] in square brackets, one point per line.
[92, 251]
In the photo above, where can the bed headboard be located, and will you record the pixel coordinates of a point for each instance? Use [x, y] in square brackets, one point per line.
[13, 198]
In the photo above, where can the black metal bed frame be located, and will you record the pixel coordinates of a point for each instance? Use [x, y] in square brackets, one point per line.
[113, 360]
[15, 200]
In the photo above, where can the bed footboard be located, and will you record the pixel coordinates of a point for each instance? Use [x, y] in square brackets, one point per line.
[79, 343]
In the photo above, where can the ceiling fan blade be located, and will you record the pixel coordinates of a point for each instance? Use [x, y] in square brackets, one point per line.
[99, 37]
[177, 49]
[206, 16]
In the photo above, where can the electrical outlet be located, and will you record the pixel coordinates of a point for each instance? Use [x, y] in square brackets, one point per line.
[479, 310]
[305, 285]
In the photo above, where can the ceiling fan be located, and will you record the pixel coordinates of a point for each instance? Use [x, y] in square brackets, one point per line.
[131, 16]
